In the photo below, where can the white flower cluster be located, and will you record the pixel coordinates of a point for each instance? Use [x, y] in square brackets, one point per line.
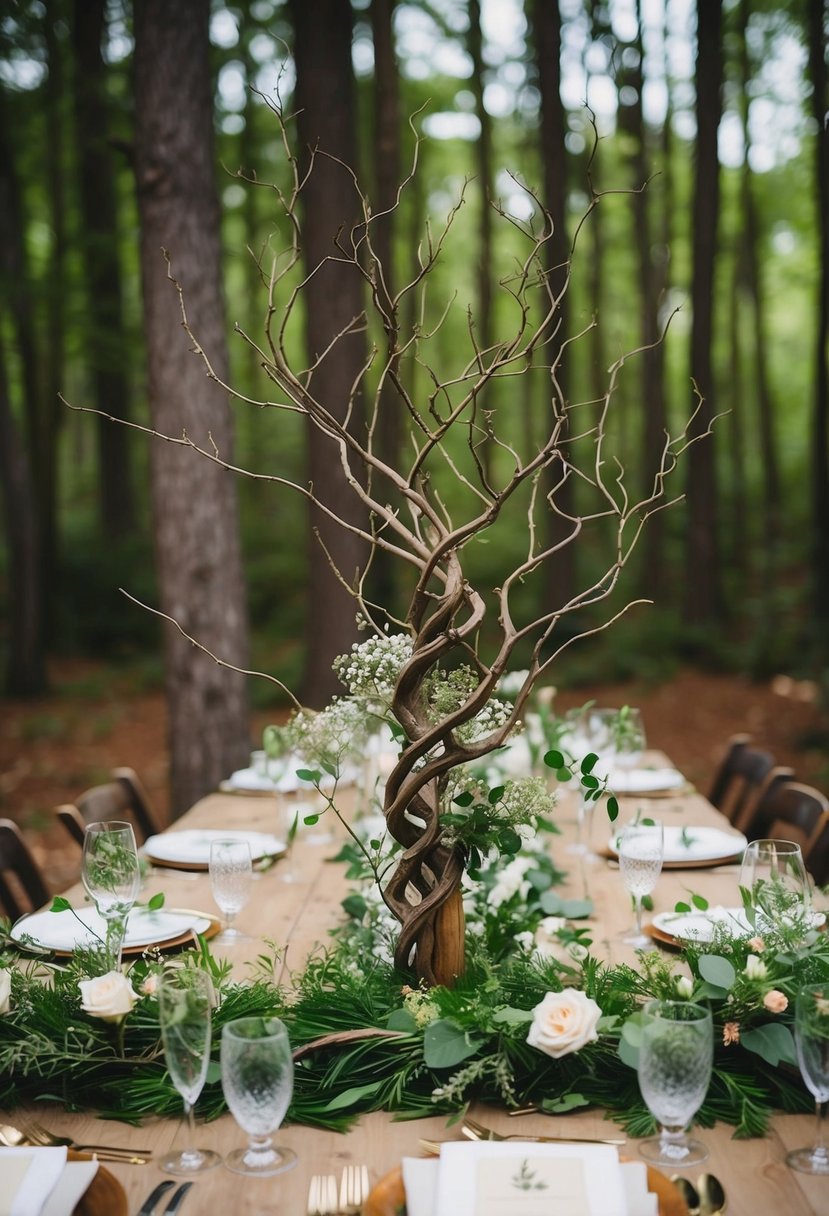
[330, 736]
[512, 881]
[371, 668]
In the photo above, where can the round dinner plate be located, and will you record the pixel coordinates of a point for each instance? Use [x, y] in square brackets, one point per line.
[64, 932]
[629, 782]
[189, 849]
[678, 928]
[388, 1196]
[692, 847]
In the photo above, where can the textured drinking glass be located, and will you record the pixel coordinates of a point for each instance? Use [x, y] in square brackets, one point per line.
[775, 877]
[675, 1057]
[112, 878]
[258, 1081]
[641, 849]
[185, 999]
[231, 875]
[811, 1036]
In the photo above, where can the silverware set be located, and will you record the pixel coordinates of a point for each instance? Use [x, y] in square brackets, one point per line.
[325, 1200]
[148, 1207]
[477, 1131]
[36, 1134]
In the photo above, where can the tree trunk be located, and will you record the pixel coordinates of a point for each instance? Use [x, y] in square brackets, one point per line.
[386, 110]
[750, 242]
[820, 425]
[561, 580]
[703, 602]
[485, 261]
[106, 349]
[21, 457]
[654, 582]
[325, 121]
[194, 500]
[25, 668]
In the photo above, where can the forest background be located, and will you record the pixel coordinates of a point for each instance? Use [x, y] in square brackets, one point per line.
[692, 137]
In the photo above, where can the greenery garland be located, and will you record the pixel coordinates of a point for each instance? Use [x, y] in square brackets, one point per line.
[417, 1053]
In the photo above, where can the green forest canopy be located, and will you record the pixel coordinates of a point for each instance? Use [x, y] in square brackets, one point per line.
[632, 87]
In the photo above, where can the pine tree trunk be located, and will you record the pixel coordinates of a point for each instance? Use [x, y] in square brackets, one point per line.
[194, 499]
[325, 119]
[703, 596]
[820, 425]
[106, 350]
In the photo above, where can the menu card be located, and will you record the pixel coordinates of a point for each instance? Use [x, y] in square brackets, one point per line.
[523, 1178]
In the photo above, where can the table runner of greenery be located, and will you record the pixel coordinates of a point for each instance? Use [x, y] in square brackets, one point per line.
[413, 1052]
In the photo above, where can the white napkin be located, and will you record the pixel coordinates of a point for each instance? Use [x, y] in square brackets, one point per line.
[24, 1192]
[72, 1185]
[624, 1192]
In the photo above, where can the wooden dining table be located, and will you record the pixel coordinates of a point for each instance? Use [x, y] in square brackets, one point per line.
[298, 915]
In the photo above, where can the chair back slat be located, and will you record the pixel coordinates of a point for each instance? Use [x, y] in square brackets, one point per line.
[122, 798]
[22, 887]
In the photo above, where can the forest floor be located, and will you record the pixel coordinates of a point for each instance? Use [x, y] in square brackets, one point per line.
[96, 718]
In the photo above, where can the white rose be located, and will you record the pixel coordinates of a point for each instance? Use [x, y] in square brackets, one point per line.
[755, 968]
[5, 990]
[564, 1022]
[109, 997]
[684, 987]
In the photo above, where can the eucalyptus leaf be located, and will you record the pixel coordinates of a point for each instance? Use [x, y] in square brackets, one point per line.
[717, 970]
[512, 1016]
[445, 1044]
[401, 1019]
[773, 1042]
[566, 1102]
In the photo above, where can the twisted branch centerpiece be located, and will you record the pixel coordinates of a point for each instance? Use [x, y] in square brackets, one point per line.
[492, 450]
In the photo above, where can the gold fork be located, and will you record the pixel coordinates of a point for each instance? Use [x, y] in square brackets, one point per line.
[354, 1188]
[39, 1135]
[477, 1131]
[322, 1195]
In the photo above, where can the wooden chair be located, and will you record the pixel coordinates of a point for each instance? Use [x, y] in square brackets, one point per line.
[789, 810]
[743, 776]
[122, 798]
[22, 888]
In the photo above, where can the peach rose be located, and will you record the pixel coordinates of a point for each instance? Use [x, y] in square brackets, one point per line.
[776, 1001]
[564, 1022]
[109, 997]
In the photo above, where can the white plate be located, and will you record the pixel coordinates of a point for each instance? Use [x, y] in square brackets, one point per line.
[191, 847]
[645, 780]
[695, 845]
[69, 930]
[249, 781]
[701, 926]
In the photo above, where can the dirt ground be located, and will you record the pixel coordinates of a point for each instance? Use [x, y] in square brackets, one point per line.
[53, 748]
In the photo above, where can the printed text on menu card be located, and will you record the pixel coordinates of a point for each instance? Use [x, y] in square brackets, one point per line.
[531, 1186]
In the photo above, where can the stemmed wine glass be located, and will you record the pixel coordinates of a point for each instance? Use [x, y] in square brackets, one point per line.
[811, 1036]
[111, 875]
[185, 999]
[231, 875]
[675, 1058]
[258, 1082]
[641, 847]
[775, 878]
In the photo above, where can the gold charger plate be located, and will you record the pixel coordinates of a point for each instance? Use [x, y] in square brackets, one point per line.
[388, 1197]
[104, 1196]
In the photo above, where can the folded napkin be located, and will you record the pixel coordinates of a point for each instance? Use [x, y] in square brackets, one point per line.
[488, 1178]
[27, 1178]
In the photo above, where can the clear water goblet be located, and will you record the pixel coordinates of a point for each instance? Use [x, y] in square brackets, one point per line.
[641, 848]
[774, 878]
[258, 1082]
[231, 875]
[675, 1057]
[811, 1036]
[111, 875]
[185, 999]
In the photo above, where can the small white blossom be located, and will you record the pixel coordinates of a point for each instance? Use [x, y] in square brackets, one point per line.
[755, 968]
[684, 987]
